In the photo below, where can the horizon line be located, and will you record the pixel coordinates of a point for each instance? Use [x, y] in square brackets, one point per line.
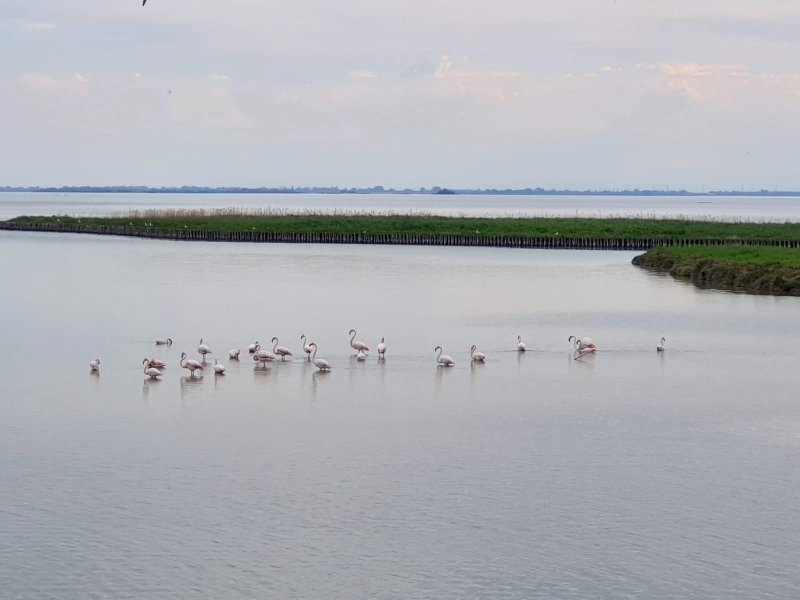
[379, 189]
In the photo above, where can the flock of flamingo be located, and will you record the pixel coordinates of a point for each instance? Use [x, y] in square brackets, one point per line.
[152, 366]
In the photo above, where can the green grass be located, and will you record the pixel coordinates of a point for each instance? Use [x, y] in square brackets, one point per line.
[789, 257]
[752, 270]
[614, 228]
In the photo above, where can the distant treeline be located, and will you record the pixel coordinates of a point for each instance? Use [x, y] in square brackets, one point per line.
[379, 189]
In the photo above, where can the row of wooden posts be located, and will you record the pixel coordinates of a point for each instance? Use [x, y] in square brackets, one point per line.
[412, 239]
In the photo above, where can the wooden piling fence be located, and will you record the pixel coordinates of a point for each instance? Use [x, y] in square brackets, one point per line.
[402, 239]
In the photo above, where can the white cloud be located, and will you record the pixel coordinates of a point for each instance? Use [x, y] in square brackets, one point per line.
[39, 83]
[39, 26]
[362, 74]
[510, 75]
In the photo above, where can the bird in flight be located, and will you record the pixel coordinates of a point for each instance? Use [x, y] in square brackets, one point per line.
[144, 2]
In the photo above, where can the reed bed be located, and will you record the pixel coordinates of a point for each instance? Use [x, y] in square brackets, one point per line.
[238, 212]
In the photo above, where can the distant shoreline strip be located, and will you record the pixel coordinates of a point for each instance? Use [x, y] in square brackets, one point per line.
[397, 239]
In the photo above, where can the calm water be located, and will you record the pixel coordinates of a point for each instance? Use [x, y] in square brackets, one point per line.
[756, 209]
[630, 474]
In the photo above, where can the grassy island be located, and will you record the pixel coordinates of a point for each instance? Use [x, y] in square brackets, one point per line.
[747, 269]
[225, 221]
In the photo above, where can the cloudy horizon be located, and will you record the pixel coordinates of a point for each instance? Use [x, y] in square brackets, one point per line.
[510, 93]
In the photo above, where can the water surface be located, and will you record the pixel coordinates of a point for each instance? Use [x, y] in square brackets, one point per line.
[629, 474]
[778, 209]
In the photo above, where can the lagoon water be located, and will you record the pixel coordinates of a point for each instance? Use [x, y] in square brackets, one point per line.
[773, 209]
[627, 474]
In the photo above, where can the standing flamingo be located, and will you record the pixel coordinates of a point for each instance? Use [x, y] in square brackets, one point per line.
[203, 349]
[191, 364]
[521, 347]
[584, 343]
[443, 360]
[253, 348]
[662, 346]
[582, 346]
[234, 353]
[163, 342]
[306, 347]
[382, 348]
[357, 344]
[95, 365]
[263, 356]
[475, 355]
[152, 372]
[281, 351]
[155, 363]
[320, 363]
[218, 368]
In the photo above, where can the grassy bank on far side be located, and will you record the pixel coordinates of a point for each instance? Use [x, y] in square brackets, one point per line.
[616, 228]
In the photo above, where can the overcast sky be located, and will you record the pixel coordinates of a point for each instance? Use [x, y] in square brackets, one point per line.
[460, 93]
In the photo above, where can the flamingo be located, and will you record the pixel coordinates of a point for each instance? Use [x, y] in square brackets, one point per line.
[361, 356]
[281, 351]
[155, 363]
[661, 347]
[218, 368]
[521, 347]
[152, 372]
[306, 347]
[263, 356]
[583, 346]
[253, 348]
[357, 344]
[191, 364]
[382, 348]
[95, 365]
[163, 342]
[444, 360]
[234, 353]
[475, 355]
[584, 343]
[203, 349]
[320, 363]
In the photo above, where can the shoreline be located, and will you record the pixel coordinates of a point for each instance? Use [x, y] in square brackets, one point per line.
[752, 270]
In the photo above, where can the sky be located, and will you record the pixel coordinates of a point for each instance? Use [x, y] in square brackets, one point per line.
[582, 94]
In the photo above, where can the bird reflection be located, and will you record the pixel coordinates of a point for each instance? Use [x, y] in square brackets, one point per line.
[318, 380]
[584, 360]
[441, 374]
[382, 369]
[521, 359]
[262, 374]
[146, 386]
[189, 383]
[475, 368]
